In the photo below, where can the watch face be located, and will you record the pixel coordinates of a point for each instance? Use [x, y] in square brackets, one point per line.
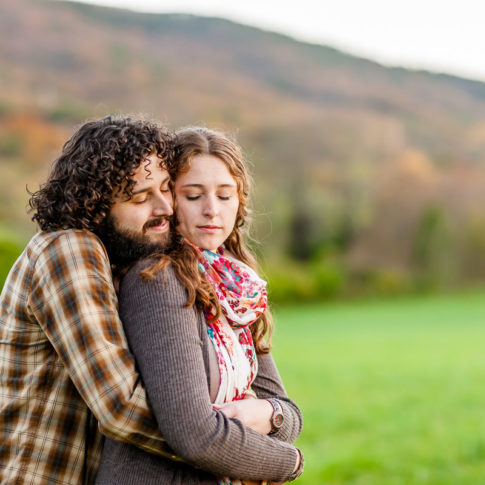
[278, 420]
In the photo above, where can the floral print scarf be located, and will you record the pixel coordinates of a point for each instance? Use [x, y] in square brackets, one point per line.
[243, 298]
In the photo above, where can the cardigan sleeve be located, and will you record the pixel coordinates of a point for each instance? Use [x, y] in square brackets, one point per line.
[163, 335]
[268, 383]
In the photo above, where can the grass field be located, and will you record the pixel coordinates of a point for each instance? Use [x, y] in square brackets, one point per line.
[392, 392]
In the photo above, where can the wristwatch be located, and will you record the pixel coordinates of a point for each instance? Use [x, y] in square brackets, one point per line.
[277, 417]
[298, 472]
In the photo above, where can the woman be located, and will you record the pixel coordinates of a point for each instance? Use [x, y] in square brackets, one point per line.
[196, 320]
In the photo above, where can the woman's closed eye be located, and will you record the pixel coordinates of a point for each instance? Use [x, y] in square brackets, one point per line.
[226, 194]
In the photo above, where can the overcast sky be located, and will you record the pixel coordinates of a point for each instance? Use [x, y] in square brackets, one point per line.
[440, 35]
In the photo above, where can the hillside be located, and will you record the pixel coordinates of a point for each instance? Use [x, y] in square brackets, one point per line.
[341, 146]
[185, 68]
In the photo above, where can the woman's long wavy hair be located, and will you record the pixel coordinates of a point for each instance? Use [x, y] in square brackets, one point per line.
[96, 163]
[182, 257]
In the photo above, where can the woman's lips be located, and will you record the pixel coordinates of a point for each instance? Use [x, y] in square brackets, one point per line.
[209, 229]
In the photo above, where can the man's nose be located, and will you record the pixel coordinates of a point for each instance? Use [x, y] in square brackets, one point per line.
[163, 205]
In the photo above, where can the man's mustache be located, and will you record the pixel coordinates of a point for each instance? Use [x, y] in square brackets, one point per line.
[156, 222]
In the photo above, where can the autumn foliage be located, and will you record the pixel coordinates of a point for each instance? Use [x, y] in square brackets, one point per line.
[368, 180]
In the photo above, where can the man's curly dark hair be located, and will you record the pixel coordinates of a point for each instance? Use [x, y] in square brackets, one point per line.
[98, 162]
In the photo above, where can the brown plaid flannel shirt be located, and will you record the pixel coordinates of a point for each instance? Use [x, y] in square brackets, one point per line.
[65, 363]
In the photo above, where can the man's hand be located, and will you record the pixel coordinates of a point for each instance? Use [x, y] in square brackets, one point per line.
[253, 413]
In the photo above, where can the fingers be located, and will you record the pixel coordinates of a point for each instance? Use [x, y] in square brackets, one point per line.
[228, 409]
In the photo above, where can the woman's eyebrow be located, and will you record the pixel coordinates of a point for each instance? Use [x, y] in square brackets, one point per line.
[202, 185]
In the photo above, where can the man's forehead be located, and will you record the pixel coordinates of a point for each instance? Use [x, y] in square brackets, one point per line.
[150, 169]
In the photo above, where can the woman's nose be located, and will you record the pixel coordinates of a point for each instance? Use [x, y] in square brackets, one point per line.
[210, 207]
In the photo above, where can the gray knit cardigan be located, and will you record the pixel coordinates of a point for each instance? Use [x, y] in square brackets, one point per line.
[173, 354]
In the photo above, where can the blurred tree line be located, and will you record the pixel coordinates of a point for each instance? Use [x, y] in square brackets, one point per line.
[408, 226]
[322, 230]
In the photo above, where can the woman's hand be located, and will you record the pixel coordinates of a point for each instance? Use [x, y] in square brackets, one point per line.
[253, 413]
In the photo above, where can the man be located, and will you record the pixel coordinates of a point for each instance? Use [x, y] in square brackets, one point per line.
[64, 360]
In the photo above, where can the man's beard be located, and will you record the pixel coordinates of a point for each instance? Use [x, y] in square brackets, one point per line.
[125, 247]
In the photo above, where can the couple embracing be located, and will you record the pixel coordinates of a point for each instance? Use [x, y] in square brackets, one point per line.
[185, 389]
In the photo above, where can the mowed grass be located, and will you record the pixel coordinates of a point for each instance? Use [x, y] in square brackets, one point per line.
[392, 392]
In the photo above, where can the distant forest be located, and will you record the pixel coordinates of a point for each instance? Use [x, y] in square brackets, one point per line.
[368, 180]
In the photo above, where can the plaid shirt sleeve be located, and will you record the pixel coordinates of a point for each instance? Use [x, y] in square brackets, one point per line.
[74, 301]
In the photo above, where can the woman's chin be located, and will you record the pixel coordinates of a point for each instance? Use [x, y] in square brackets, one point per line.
[208, 242]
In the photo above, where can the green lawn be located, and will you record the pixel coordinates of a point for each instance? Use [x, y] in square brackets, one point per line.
[392, 392]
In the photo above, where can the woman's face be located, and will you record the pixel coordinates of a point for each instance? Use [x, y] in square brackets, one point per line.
[206, 202]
